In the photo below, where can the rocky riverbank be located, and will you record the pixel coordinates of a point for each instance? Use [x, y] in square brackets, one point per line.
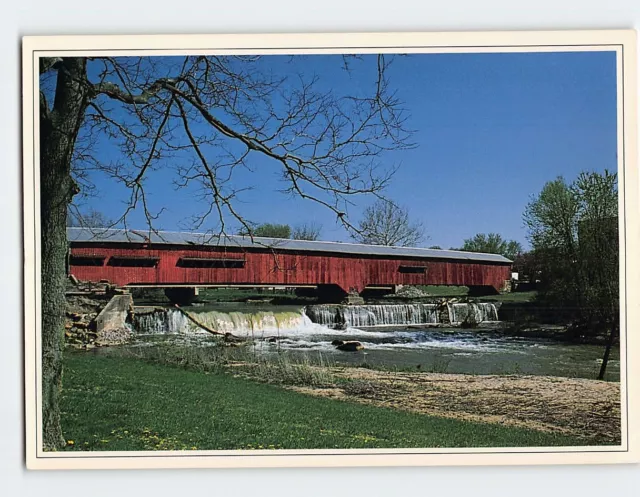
[81, 312]
[84, 303]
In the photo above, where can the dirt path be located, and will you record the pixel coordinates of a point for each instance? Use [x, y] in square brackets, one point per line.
[584, 408]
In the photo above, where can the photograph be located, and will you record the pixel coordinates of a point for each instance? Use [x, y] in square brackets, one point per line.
[263, 250]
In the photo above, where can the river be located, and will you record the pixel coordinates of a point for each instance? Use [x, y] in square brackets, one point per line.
[402, 336]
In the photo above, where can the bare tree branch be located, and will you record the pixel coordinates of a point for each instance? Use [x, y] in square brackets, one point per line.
[385, 223]
[205, 117]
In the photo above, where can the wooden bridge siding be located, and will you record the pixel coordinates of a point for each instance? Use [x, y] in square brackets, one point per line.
[265, 267]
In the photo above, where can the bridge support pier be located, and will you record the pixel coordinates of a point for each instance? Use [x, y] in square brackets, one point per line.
[111, 323]
[353, 298]
[182, 295]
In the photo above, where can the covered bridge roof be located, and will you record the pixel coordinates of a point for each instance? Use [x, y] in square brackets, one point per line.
[215, 240]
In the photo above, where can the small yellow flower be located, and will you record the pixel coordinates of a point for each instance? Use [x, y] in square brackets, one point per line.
[70, 442]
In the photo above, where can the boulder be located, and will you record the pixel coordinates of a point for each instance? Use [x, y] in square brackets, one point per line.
[350, 346]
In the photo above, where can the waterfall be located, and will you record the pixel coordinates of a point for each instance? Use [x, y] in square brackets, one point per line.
[476, 313]
[253, 322]
[373, 315]
[161, 321]
[260, 323]
[241, 323]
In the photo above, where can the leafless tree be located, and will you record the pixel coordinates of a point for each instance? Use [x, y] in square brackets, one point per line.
[205, 119]
[385, 223]
[307, 231]
[87, 219]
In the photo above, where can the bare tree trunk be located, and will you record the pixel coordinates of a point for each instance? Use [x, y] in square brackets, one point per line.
[607, 352]
[58, 131]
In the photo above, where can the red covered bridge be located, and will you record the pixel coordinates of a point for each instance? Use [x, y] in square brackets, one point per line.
[175, 259]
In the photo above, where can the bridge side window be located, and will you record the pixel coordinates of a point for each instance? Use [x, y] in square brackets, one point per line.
[413, 269]
[209, 263]
[133, 261]
[86, 260]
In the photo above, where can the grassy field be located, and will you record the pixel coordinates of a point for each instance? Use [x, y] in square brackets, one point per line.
[463, 291]
[116, 403]
[445, 290]
[512, 297]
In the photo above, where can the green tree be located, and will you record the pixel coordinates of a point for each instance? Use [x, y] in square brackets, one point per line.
[551, 219]
[305, 231]
[527, 265]
[492, 243]
[573, 230]
[270, 230]
[217, 114]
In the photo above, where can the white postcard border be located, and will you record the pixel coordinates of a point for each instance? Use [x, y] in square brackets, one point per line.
[621, 41]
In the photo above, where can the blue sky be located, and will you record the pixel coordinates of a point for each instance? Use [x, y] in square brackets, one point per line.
[490, 130]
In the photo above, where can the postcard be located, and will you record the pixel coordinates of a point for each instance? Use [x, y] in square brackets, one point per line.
[331, 249]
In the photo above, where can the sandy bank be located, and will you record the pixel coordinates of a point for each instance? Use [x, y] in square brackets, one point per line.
[584, 408]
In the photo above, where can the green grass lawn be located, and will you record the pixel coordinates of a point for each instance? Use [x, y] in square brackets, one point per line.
[112, 403]
[512, 297]
[463, 291]
[445, 290]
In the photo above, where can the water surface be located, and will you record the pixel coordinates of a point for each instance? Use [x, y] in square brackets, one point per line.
[486, 350]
